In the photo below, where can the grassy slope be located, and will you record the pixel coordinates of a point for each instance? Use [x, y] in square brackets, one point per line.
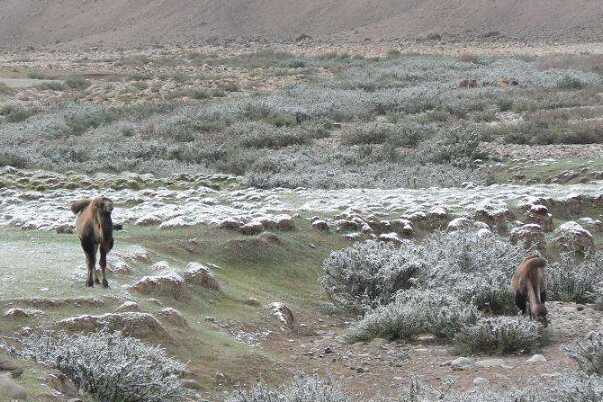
[248, 267]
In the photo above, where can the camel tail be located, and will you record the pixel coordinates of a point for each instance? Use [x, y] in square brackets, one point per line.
[79, 206]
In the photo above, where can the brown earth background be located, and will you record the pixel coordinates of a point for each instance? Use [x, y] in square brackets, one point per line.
[128, 23]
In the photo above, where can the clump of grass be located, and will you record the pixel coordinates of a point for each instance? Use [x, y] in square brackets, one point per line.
[499, 335]
[17, 114]
[570, 83]
[77, 82]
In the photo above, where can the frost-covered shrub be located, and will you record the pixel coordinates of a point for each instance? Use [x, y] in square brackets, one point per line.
[368, 274]
[110, 366]
[570, 388]
[302, 389]
[474, 268]
[571, 280]
[499, 335]
[456, 146]
[589, 354]
[477, 269]
[415, 312]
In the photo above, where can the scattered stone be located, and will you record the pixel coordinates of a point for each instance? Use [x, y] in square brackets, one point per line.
[282, 313]
[230, 224]
[530, 235]
[539, 215]
[18, 313]
[571, 236]
[320, 225]
[128, 306]
[134, 324]
[461, 223]
[593, 225]
[285, 222]
[537, 359]
[252, 301]
[167, 284]
[477, 381]
[252, 228]
[200, 275]
[160, 266]
[391, 238]
[490, 363]
[117, 264]
[173, 316]
[461, 363]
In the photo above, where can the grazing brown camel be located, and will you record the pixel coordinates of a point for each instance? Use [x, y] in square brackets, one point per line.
[529, 285]
[94, 227]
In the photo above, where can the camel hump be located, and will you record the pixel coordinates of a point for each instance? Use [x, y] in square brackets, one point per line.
[79, 206]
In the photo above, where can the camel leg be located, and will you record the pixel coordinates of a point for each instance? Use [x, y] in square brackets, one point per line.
[521, 302]
[103, 265]
[90, 251]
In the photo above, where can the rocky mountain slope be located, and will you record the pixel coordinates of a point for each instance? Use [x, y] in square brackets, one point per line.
[119, 23]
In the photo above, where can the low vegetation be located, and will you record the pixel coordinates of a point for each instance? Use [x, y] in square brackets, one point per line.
[110, 366]
[499, 335]
[395, 121]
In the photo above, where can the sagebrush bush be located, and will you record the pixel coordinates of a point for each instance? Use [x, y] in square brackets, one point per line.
[589, 354]
[499, 335]
[569, 388]
[474, 268]
[415, 312]
[302, 389]
[574, 280]
[110, 366]
[478, 269]
[369, 274]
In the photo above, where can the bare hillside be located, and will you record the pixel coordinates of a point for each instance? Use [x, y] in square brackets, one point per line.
[141, 22]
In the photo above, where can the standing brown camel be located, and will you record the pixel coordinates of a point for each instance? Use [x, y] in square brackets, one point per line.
[95, 229]
[529, 285]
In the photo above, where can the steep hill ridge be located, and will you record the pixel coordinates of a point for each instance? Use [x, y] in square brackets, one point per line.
[140, 22]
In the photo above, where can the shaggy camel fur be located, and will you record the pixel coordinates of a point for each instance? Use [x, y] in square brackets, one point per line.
[95, 230]
[528, 285]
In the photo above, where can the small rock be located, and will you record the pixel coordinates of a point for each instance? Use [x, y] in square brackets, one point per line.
[477, 381]
[128, 306]
[160, 266]
[537, 359]
[18, 313]
[167, 284]
[200, 275]
[173, 316]
[462, 363]
[320, 225]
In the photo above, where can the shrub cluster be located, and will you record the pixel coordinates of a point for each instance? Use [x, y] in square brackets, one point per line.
[474, 268]
[415, 312]
[302, 389]
[110, 366]
[573, 280]
[589, 354]
[499, 335]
